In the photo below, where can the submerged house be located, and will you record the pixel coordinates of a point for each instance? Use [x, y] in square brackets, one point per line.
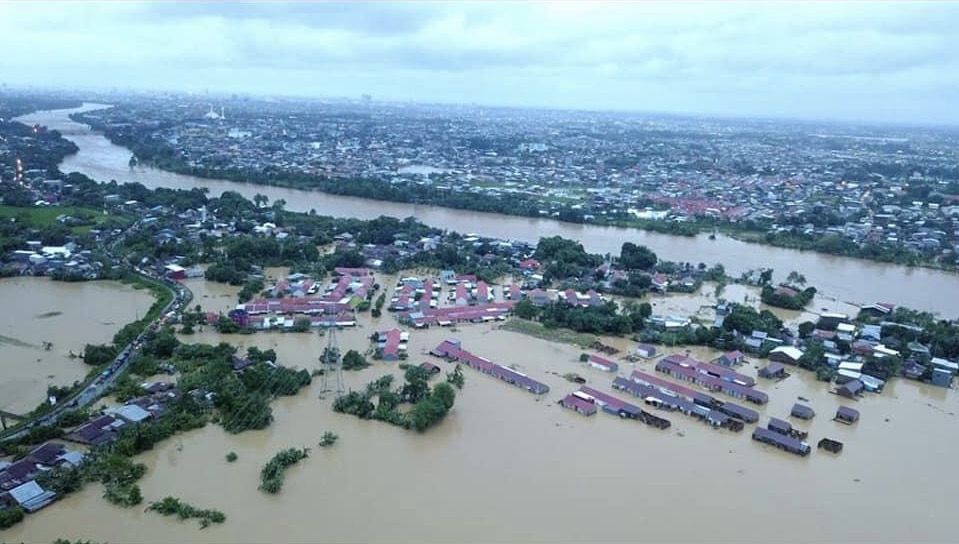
[602, 363]
[579, 402]
[847, 414]
[802, 411]
[850, 389]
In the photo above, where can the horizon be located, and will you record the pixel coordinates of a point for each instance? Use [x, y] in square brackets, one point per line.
[838, 62]
[947, 126]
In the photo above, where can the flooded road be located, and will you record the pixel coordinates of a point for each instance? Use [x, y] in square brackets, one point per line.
[848, 279]
[510, 467]
[68, 315]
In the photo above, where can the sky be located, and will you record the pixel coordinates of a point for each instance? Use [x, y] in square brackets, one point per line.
[894, 61]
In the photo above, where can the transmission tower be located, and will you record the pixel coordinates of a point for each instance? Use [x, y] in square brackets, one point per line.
[331, 361]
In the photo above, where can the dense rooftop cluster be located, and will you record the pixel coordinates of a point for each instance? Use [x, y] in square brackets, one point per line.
[799, 183]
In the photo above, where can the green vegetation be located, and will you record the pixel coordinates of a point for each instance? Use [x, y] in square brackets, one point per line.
[429, 406]
[787, 296]
[10, 516]
[328, 439]
[232, 457]
[171, 506]
[353, 360]
[378, 306]
[456, 378]
[538, 330]
[271, 476]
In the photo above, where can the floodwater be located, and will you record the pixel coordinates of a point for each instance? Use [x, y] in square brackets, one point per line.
[847, 279]
[506, 466]
[69, 315]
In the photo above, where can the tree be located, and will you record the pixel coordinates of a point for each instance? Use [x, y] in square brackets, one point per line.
[634, 257]
[766, 276]
[99, 354]
[795, 278]
[353, 360]
[260, 200]
[456, 378]
[416, 386]
[445, 393]
[301, 324]
[328, 439]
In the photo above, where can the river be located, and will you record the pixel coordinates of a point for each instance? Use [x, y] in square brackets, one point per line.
[853, 280]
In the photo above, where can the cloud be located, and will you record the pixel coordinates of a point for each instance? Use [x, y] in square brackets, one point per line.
[863, 60]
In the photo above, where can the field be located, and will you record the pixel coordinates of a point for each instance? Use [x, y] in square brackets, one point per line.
[47, 215]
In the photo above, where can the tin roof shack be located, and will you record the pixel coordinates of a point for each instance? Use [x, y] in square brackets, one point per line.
[781, 441]
[830, 445]
[850, 389]
[623, 409]
[773, 371]
[847, 415]
[802, 411]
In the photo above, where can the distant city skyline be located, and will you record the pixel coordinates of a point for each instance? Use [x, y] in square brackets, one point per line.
[876, 62]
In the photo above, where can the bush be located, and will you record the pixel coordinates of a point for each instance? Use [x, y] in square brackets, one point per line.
[352, 360]
[231, 457]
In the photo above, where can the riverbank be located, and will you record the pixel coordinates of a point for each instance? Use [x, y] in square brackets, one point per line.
[844, 278]
[523, 205]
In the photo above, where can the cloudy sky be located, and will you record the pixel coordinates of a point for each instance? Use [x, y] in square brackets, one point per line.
[863, 61]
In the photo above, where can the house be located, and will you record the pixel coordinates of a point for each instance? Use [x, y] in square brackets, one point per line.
[461, 297]
[579, 402]
[99, 431]
[802, 411]
[448, 277]
[602, 363]
[31, 497]
[646, 351]
[781, 441]
[528, 266]
[850, 389]
[773, 371]
[539, 297]
[786, 354]
[878, 309]
[390, 344]
[732, 358]
[131, 413]
[660, 282]
[47, 454]
[941, 377]
[847, 414]
[175, 272]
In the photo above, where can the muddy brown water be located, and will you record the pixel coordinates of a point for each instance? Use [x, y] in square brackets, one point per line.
[848, 279]
[506, 466]
[69, 315]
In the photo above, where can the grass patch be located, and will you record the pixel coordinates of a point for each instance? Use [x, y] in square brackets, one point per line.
[537, 330]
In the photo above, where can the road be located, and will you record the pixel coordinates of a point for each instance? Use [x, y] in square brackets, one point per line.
[96, 386]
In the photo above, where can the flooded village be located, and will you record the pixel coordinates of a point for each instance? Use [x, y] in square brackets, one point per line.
[690, 397]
